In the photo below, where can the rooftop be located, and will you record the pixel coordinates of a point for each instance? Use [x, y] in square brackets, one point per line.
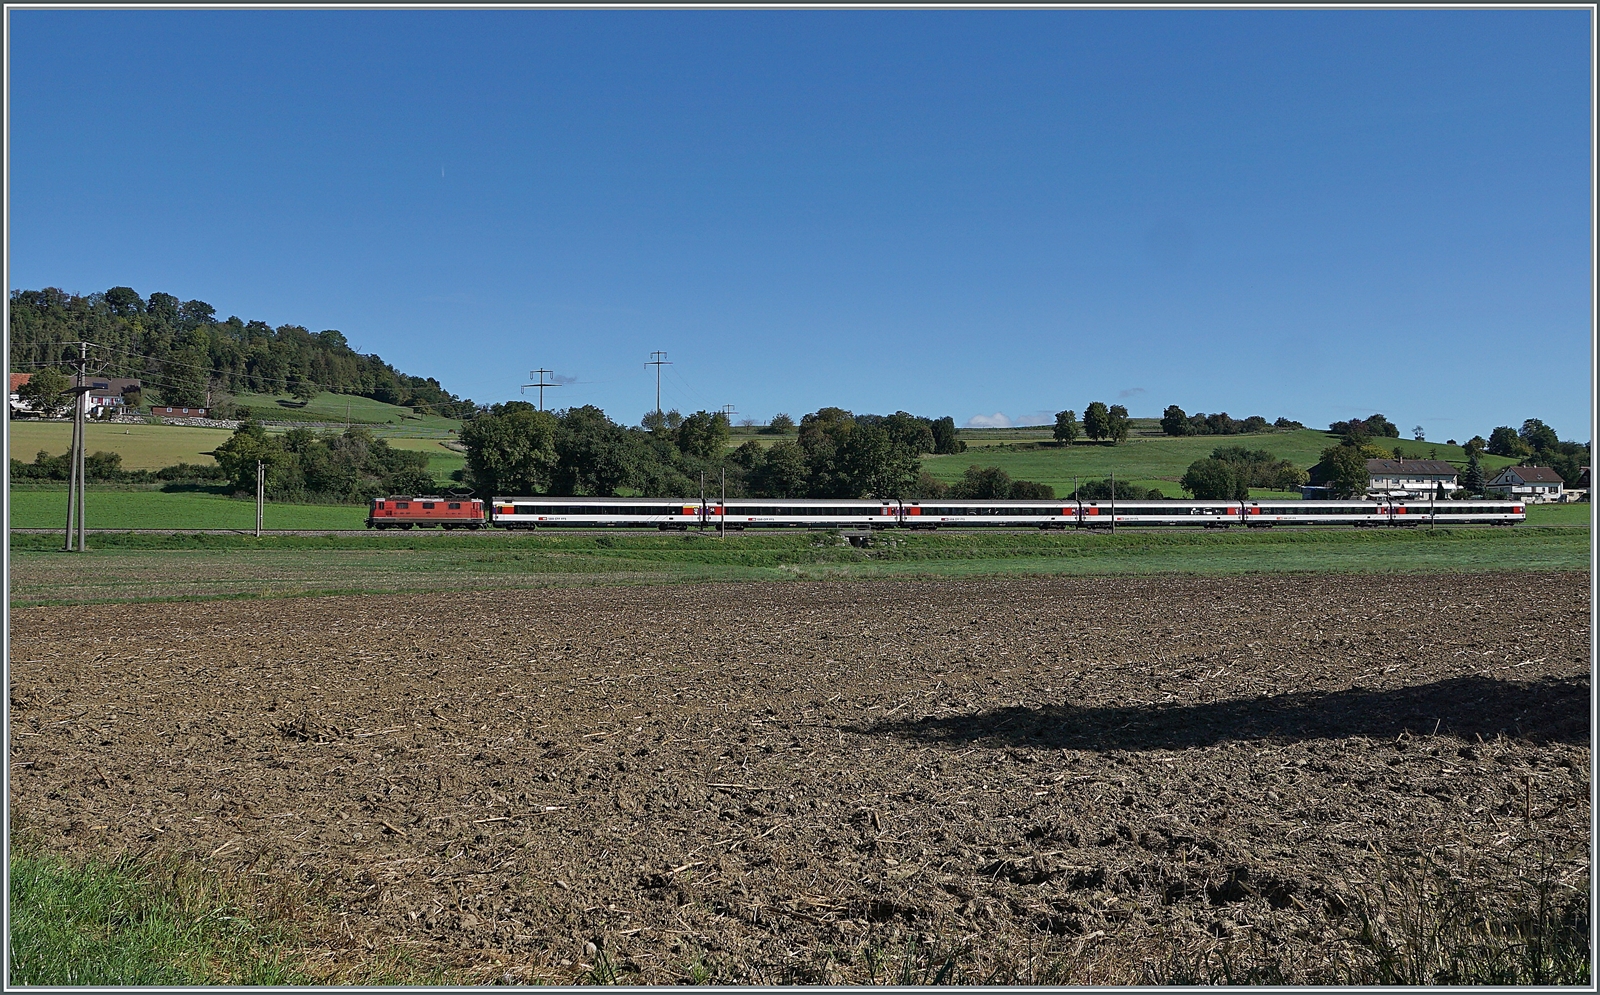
[1431, 467]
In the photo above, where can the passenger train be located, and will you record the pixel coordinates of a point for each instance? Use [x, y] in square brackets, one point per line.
[737, 514]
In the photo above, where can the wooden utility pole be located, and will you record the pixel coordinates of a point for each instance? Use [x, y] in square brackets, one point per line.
[722, 508]
[261, 494]
[1113, 504]
[72, 480]
[76, 485]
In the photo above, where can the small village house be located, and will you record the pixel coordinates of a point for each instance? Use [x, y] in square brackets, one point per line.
[17, 403]
[105, 394]
[171, 411]
[108, 393]
[1533, 484]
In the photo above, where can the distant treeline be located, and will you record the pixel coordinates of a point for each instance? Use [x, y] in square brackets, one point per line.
[1175, 422]
[184, 355]
[106, 468]
[515, 449]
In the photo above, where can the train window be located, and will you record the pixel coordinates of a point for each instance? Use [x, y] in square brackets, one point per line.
[427, 506]
[402, 504]
[455, 506]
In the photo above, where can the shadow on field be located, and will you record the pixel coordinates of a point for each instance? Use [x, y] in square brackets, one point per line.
[1549, 710]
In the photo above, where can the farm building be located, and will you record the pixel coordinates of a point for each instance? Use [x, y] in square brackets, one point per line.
[1410, 478]
[1534, 484]
[174, 412]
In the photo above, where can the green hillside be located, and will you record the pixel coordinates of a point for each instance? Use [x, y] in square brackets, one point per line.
[1150, 461]
[151, 447]
[337, 408]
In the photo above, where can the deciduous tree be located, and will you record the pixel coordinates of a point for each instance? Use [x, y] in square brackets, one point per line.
[1212, 479]
[1097, 421]
[1504, 441]
[704, 435]
[1346, 471]
[47, 392]
[945, 441]
[1117, 423]
[1066, 430]
[1538, 436]
[511, 450]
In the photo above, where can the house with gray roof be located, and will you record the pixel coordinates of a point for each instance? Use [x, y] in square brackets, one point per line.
[1533, 484]
[1411, 478]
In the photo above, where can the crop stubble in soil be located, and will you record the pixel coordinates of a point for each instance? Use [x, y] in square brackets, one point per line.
[755, 775]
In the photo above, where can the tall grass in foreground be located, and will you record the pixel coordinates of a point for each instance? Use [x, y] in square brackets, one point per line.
[168, 921]
[155, 921]
[118, 924]
[1420, 922]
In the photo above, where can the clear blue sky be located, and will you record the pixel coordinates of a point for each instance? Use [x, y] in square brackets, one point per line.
[1318, 214]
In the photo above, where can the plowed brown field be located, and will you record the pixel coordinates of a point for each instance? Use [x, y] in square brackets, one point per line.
[776, 782]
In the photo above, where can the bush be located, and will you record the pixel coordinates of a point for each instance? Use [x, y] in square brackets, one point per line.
[1101, 490]
[993, 484]
[1028, 490]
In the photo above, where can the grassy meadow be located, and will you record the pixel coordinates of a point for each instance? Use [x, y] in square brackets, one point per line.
[107, 508]
[145, 567]
[1148, 461]
[143, 447]
[337, 408]
[114, 508]
[151, 447]
[168, 922]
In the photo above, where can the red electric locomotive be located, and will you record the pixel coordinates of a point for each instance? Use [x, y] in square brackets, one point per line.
[405, 512]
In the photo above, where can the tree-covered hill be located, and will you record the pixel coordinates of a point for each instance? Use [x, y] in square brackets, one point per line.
[184, 355]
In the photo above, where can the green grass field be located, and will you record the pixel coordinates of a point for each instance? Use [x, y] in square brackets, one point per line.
[441, 461]
[120, 509]
[143, 447]
[1146, 460]
[151, 447]
[136, 568]
[1559, 514]
[108, 508]
[1158, 461]
[133, 921]
[336, 408]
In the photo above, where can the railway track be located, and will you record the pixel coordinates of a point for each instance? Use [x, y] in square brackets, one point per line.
[509, 533]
